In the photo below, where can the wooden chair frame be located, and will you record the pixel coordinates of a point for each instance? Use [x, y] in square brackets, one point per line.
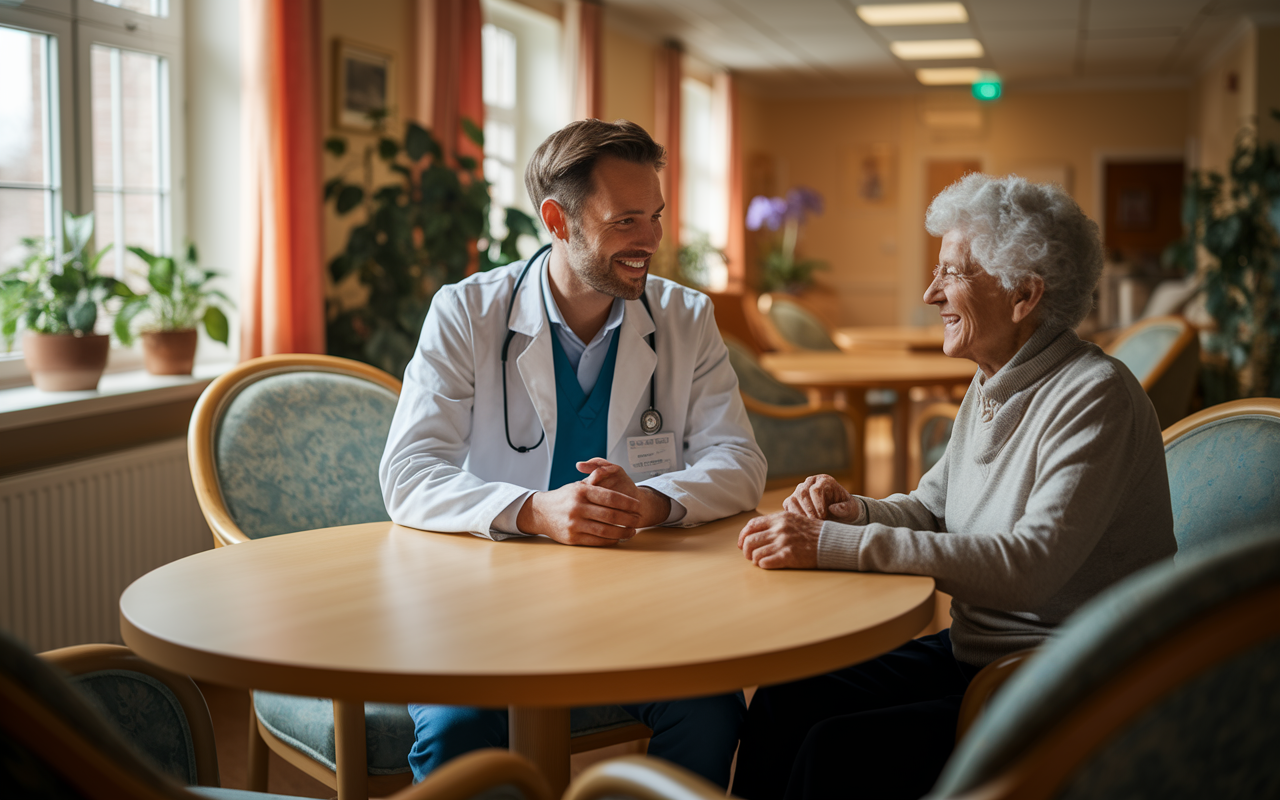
[1162, 366]
[85, 658]
[763, 328]
[915, 455]
[851, 477]
[641, 778]
[1250, 406]
[209, 409]
[1217, 636]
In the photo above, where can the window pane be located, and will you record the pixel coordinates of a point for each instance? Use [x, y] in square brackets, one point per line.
[22, 214]
[152, 8]
[498, 48]
[130, 187]
[24, 90]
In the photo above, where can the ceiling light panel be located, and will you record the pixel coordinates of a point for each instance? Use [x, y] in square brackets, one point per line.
[949, 76]
[937, 48]
[913, 14]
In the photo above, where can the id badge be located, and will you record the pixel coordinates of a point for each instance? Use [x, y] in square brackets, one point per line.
[656, 453]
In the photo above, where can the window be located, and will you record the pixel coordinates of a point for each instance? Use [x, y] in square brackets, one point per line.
[703, 178]
[523, 101]
[86, 124]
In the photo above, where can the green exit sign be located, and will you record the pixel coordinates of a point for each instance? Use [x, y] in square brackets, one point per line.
[986, 90]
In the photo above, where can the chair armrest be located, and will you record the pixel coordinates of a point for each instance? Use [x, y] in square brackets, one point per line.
[641, 778]
[985, 684]
[791, 412]
[469, 775]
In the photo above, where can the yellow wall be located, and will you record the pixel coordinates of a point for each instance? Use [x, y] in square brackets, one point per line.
[628, 78]
[877, 253]
[1220, 111]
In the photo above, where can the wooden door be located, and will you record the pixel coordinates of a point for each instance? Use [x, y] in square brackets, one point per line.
[938, 176]
[1144, 208]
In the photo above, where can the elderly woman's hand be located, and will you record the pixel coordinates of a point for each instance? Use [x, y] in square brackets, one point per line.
[781, 541]
[822, 497]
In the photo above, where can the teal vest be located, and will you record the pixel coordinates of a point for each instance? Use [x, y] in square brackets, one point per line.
[582, 421]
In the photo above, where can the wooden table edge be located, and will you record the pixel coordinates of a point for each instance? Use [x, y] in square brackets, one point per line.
[577, 689]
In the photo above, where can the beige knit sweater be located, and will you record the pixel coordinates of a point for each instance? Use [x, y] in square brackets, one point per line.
[1052, 488]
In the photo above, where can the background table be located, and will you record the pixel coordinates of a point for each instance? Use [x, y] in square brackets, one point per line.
[378, 612]
[847, 377]
[900, 337]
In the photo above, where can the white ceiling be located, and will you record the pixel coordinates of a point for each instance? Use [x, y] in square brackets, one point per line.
[822, 45]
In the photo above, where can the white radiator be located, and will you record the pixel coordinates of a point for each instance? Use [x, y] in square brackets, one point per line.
[72, 537]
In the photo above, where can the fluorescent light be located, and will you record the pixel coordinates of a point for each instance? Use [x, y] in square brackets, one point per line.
[937, 48]
[913, 14]
[949, 76]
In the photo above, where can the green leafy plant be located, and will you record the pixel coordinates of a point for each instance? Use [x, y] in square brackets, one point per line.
[57, 292]
[688, 265]
[419, 233]
[1234, 226]
[179, 297]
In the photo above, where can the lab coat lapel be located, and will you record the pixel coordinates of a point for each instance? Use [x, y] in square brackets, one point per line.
[635, 365]
[535, 362]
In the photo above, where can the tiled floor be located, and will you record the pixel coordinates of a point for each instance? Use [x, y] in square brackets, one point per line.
[230, 707]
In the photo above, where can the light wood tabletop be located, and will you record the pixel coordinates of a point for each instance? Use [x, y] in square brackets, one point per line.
[845, 377]
[379, 612]
[902, 337]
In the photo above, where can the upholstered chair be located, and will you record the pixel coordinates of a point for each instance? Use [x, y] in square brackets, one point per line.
[1224, 471]
[798, 438]
[1164, 355]
[797, 327]
[930, 434]
[1165, 685]
[292, 443]
[104, 737]
[640, 778]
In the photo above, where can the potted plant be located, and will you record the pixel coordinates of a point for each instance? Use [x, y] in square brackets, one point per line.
[1233, 232]
[55, 299]
[780, 270]
[179, 298]
[421, 231]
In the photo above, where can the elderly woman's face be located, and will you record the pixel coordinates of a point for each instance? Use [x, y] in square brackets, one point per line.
[977, 312]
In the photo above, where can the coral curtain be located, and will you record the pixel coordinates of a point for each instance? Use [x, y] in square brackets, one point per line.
[282, 283]
[588, 93]
[667, 75]
[458, 88]
[726, 91]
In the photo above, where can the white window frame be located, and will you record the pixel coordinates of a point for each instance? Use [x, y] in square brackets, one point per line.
[77, 25]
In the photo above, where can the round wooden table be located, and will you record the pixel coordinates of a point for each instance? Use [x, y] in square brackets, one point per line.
[899, 337]
[379, 612]
[847, 376]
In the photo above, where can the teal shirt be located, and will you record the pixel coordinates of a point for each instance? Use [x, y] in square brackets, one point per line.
[582, 420]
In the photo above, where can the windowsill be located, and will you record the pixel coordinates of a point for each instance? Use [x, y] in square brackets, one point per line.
[120, 391]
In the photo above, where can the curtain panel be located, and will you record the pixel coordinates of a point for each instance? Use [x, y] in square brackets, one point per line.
[282, 283]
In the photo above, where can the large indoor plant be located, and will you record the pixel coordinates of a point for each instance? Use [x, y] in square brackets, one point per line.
[418, 232]
[1233, 225]
[179, 298]
[55, 298]
[780, 269]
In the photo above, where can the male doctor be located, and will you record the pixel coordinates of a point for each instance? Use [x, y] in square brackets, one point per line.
[571, 397]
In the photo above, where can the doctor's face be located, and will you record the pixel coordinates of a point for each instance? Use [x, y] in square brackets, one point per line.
[618, 229]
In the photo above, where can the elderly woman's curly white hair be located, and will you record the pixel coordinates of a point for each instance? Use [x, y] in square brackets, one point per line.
[1016, 229]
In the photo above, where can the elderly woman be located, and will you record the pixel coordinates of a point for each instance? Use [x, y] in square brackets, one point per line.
[1052, 488]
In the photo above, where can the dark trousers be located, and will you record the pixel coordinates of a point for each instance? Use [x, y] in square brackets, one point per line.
[882, 729]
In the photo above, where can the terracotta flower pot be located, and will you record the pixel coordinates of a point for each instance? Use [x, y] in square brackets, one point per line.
[64, 362]
[170, 352]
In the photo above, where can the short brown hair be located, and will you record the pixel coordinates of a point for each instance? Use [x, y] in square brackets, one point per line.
[561, 166]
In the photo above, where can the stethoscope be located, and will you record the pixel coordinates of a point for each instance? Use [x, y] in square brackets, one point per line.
[650, 420]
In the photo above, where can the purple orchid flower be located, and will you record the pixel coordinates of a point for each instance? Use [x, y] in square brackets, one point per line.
[768, 212]
[802, 202]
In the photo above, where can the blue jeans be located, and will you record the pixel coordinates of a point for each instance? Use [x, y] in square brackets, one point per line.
[881, 729]
[699, 734]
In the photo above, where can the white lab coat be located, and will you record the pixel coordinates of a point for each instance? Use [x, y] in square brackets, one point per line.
[447, 465]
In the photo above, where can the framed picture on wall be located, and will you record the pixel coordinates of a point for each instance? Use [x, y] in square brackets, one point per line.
[870, 179]
[364, 83]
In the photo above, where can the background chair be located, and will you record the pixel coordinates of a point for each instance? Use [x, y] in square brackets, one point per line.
[640, 778]
[1164, 355]
[791, 326]
[291, 443]
[1163, 686]
[56, 744]
[930, 434]
[798, 438]
[1224, 471]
